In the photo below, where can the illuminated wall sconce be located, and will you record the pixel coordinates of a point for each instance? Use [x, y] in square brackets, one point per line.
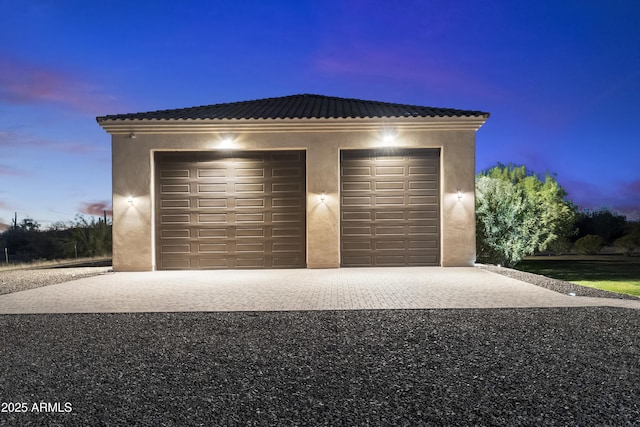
[323, 197]
[389, 135]
[226, 142]
[132, 135]
[459, 195]
[130, 200]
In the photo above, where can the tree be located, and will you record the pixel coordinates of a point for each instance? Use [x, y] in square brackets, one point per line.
[517, 213]
[602, 222]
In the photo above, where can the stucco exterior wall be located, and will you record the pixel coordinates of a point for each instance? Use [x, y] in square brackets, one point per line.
[133, 219]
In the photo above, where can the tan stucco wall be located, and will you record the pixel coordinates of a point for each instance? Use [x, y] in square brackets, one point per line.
[133, 223]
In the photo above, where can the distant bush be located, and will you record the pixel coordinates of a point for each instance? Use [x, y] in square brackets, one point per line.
[590, 244]
[560, 246]
[627, 244]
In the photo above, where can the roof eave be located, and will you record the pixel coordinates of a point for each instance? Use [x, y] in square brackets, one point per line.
[177, 126]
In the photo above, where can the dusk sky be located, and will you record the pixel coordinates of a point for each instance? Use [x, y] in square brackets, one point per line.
[560, 78]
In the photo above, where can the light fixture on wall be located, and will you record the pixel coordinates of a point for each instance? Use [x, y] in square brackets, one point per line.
[323, 197]
[130, 200]
[132, 135]
[226, 142]
[389, 135]
[459, 195]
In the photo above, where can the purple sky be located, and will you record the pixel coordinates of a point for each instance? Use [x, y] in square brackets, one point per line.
[561, 80]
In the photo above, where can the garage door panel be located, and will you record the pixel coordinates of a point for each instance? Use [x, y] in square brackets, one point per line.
[175, 188]
[175, 173]
[287, 217]
[176, 248]
[389, 171]
[176, 204]
[213, 203]
[357, 201]
[356, 186]
[249, 188]
[212, 188]
[250, 217]
[390, 215]
[357, 216]
[288, 187]
[250, 203]
[364, 171]
[176, 233]
[213, 218]
[175, 263]
[212, 173]
[210, 263]
[250, 262]
[175, 219]
[213, 233]
[249, 173]
[287, 232]
[251, 233]
[230, 210]
[390, 207]
[351, 245]
[290, 247]
[389, 200]
[220, 247]
[390, 245]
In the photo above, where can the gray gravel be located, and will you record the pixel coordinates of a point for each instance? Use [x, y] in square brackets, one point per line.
[552, 367]
[555, 284]
[23, 279]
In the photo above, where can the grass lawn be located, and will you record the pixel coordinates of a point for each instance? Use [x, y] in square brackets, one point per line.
[614, 273]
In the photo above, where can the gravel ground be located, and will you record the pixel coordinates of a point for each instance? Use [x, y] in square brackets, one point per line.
[23, 279]
[552, 367]
[555, 284]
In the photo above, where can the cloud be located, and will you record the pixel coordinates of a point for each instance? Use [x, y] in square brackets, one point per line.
[96, 208]
[405, 65]
[25, 83]
[10, 171]
[12, 139]
[622, 197]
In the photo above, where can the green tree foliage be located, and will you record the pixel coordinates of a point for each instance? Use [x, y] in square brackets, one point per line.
[517, 213]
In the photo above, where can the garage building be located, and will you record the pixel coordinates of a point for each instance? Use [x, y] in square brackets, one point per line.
[293, 182]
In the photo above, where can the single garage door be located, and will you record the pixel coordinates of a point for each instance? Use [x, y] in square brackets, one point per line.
[390, 213]
[220, 210]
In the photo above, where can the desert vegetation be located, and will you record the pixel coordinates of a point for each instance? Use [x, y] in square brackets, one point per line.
[26, 241]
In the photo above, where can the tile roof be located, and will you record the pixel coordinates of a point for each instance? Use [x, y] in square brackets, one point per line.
[303, 106]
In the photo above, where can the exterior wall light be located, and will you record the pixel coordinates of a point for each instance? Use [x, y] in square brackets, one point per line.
[226, 142]
[459, 195]
[388, 136]
[323, 197]
[132, 135]
[130, 200]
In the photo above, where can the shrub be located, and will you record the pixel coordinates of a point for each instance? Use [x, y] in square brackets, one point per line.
[627, 244]
[590, 244]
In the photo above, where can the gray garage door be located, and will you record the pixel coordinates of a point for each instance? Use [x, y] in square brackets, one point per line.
[220, 210]
[390, 213]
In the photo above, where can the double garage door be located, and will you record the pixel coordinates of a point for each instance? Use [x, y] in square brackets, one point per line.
[217, 210]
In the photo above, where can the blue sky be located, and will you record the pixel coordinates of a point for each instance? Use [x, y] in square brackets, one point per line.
[561, 80]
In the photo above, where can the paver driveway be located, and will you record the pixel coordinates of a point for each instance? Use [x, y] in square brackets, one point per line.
[303, 289]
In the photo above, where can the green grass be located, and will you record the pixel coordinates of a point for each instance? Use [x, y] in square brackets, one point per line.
[608, 272]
